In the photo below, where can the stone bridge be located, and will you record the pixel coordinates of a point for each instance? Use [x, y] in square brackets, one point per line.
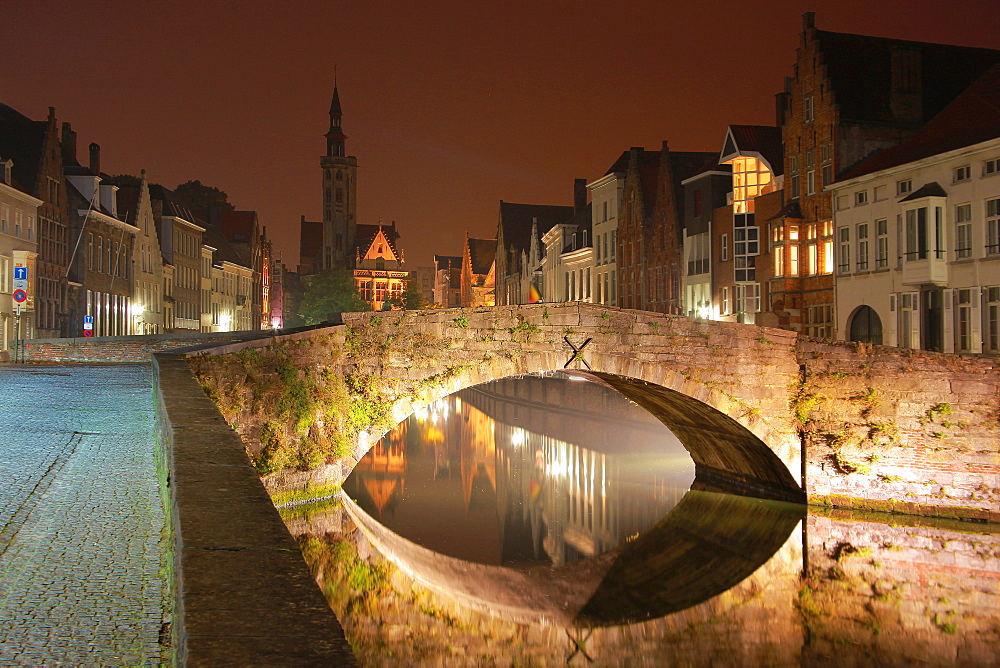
[761, 411]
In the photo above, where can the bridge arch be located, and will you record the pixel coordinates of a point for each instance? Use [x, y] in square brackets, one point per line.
[733, 447]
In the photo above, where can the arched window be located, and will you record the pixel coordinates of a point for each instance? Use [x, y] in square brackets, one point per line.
[866, 326]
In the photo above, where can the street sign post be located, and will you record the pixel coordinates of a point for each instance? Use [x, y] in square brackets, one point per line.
[19, 295]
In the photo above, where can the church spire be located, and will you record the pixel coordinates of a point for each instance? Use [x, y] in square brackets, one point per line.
[335, 135]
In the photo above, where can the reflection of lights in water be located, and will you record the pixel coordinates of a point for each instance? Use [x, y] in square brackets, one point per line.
[458, 404]
[517, 437]
[422, 414]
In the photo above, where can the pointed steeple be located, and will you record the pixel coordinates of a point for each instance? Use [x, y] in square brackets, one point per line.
[335, 135]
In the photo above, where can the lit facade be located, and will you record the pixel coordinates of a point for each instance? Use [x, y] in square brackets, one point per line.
[379, 274]
[18, 248]
[918, 253]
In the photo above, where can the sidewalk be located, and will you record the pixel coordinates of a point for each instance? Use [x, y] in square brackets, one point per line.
[82, 577]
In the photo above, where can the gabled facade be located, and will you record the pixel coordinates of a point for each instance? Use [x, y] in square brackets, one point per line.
[850, 96]
[36, 170]
[754, 156]
[379, 272]
[181, 239]
[918, 234]
[650, 228]
[448, 281]
[519, 247]
[478, 282]
[568, 270]
[135, 205]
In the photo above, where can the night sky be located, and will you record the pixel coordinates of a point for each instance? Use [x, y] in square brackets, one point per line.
[450, 106]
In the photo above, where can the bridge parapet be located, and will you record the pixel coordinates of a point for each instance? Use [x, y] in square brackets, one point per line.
[760, 404]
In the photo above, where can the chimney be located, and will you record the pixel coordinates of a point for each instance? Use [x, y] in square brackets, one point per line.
[579, 195]
[95, 158]
[68, 144]
[808, 20]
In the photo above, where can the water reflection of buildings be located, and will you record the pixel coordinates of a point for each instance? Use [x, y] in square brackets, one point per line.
[568, 470]
[381, 473]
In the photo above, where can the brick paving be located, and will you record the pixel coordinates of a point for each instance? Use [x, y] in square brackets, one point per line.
[82, 562]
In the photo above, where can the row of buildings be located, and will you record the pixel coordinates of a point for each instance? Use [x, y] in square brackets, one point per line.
[870, 210]
[113, 256]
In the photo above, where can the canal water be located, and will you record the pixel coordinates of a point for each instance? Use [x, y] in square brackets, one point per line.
[550, 521]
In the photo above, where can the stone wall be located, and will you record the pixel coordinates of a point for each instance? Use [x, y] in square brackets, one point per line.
[853, 425]
[901, 430]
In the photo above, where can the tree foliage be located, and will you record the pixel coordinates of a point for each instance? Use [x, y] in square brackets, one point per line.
[196, 195]
[413, 298]
[330, 292]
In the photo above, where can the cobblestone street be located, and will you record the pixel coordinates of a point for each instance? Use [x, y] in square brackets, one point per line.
[82, 567]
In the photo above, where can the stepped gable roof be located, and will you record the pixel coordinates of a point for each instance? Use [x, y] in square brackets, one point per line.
[764, 140]
[482, 253]
[365, 237]
[22, 140]
[971, 118]
[516, 221]
[860, 69]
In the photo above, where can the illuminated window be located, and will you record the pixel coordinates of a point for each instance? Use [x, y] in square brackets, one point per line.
[812, 260]
[827, 257]
[751, 178]
[779, 261]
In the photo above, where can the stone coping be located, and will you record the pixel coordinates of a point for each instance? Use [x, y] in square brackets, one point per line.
[244, 595]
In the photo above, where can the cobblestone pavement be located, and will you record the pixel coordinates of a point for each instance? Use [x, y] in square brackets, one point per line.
[82, 568]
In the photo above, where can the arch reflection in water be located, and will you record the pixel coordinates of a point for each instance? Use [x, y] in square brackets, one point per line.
[529, 470]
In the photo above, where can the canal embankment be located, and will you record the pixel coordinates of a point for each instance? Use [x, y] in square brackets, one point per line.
[244, 596]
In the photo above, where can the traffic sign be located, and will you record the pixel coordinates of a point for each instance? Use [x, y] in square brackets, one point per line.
[88, 320]
[20, 273]
[20, 295]
[88, 332]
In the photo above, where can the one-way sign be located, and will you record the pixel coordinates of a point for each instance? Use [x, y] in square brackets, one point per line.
[20, 273]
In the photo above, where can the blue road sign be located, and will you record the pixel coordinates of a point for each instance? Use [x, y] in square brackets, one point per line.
[20, 273]
[88, 319]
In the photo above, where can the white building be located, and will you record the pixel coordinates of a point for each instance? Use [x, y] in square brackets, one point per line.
[18, 248]
[605, 197]
[918, 235]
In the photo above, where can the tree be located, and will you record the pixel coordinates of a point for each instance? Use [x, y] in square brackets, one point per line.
[330, 292]
[195, 195]
[413, 298]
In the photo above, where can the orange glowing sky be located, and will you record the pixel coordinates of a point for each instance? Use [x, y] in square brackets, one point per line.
[450, 106]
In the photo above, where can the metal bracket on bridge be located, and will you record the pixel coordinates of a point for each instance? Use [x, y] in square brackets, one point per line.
[577, 352]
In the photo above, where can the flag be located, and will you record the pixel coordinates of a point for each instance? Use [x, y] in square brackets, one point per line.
[533, 296]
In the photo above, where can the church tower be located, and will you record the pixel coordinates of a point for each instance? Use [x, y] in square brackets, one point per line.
[340, 173]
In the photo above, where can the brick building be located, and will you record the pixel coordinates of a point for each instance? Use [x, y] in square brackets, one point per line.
[850, 96]
[650, 227]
